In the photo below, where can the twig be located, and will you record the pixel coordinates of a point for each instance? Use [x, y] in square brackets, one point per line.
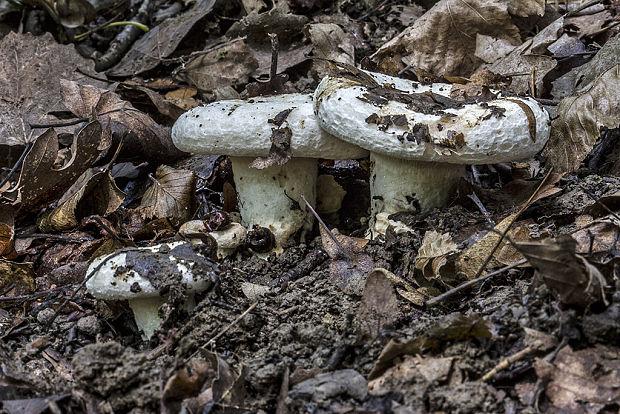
[17, 164]
[598, 201]
[505, 363]
[582, 7]
[223, 331]
[466, 285]
[275, 49]
[341, 249]
[59, 124]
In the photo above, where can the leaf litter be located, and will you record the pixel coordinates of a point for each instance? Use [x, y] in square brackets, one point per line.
[504, 301]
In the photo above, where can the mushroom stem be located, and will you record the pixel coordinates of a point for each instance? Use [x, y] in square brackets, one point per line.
[271, 197]
[398, 185]
[146, 314]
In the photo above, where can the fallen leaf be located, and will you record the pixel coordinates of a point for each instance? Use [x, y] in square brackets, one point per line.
[349, 265]
[228, 65]
[94, 193]
[39, 181]
[141, 135]
[160, 41]
[569, 275]
[17, 278]
[435, 252]
[443, 40]
[379, 306]
[172, 195]
[7, 232]
[584, 381]
[454, 327]
[580, 118]
[30, 71]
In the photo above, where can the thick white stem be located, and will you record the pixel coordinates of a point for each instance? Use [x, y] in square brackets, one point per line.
[403, 185]
[145, 312]
[271, 197]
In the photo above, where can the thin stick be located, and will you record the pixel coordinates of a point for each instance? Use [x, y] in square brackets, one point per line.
[505, 363]
[341, 249]
[437, 299]
[598, 201]
[230, 325]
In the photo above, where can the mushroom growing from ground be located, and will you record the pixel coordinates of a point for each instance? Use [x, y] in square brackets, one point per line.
[280, 130]
[146, 277]
[419, 137]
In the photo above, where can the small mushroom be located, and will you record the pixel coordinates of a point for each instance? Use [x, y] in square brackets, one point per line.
[280, 128]
[419, 138]
[143, 276]
[228, 238]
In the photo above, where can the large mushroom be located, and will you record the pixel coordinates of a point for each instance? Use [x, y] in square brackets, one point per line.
[282, 132]
[419, 137]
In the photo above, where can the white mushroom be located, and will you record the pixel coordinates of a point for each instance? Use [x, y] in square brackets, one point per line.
[139, 275]
[419, 138]
[269, 197]
[227, 239]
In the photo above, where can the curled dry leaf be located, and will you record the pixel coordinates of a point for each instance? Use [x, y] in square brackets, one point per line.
[94, 193]
[39, 181]
[142, 136]
[18, 278]
[443, 40]
[435, 253]
[7, 232]
[569, 275]
[580, 118]
[172, 195]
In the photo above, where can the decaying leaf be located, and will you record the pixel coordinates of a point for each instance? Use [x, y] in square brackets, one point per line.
[470, 261]
[349, 265]
[228, 65]
[94, 193]
[141, 135]
[7, 232]
[330, 42]
[172, 195]
[39, 181]
[530, 55]
[580, 118]
[434, 253]
[454, 327]
[379, 306]
[30, 71]
[18, 278]
[160, 41]
[569, 275]
[584, 381]
[443, 40]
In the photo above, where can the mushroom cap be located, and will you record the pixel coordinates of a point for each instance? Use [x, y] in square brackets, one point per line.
[243, 128]
[143, 272]
[407, 120]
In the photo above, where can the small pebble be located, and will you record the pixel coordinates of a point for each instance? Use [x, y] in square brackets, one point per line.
[45, 315]
[89, 325]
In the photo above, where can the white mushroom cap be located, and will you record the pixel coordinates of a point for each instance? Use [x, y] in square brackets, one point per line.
[120, 279]
[241, 128]
[504, 129]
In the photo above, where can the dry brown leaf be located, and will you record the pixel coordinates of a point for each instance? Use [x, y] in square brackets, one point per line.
[142, 136]
[228, 65]
[94, 193]
[39, 181]
[7, 232]
[470, 261]
[584, 381]
[580, 118]
[454, 327]
[434, 253]
[19, 275]
[160, 41]
[172, 195]
[530, 55]
[443, 40]
[330, 42]
[349, 265]
[569, 275]
[379, 306]
[30, 70]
